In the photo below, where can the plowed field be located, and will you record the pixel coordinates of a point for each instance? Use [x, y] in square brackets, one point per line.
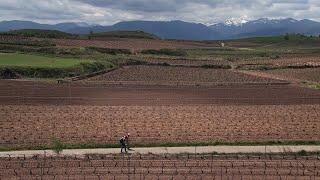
[38, 125]
[98, 93]
[178, 75]
[148, 167]
[309, 74]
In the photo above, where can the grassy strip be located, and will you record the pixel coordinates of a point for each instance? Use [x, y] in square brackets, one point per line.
[111, 51]
[58, 145]
[168, 52]
[313, 85]
[265, 67]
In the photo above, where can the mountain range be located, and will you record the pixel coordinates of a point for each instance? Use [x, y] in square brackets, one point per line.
[231, 29]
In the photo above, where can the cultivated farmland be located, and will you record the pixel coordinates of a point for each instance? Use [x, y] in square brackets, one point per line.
[178, 75]
[38, 125]
[195, 93]
[132, 44]
[310, 74]
[149, 167]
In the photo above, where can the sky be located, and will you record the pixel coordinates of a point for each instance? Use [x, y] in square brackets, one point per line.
[107, 12]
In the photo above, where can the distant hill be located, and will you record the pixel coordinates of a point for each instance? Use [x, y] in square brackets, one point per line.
[288, 40]
[17, 25]
[40, 33]
[125, 34]
[184, 30]
[168, 29]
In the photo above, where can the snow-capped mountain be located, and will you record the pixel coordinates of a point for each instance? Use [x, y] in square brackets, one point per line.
[236, 21]
[266, 27]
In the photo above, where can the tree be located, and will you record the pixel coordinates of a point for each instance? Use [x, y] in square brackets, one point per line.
[90, 34]
[287, 37]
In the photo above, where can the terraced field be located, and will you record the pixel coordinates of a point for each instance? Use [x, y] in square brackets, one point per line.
[163, 75]
[164, 167]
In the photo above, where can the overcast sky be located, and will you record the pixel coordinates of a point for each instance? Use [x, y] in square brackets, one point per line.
[108, 12]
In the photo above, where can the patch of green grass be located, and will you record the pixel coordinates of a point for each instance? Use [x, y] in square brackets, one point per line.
[60, 145]
[33, 66]
[23, 60]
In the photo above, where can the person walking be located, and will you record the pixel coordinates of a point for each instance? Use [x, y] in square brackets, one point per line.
[127, 141]
[123, 144]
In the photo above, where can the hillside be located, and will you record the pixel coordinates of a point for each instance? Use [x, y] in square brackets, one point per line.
[40, 33]
[124, 34]
[283, 41]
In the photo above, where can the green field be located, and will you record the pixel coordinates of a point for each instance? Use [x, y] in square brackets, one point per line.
[13, 59]
[34, 66]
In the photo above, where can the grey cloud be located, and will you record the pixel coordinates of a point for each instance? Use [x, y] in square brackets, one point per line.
[112, 11]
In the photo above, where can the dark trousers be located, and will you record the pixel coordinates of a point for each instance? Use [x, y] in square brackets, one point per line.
[123, 146]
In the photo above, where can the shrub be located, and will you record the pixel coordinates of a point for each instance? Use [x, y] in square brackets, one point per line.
[47, 50]
[135, 62]
[58, 146]
[287, 37]
[169, 52]
[6, 73]
[302, 153]
[274, 57]
[88, 67]
[110, 50]
[216, 66]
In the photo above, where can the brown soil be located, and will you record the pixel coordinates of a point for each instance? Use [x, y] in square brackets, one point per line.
[309, 74]
[163, 75]
[33, 93]
[152, 167]
[39, 125]
[133, 44]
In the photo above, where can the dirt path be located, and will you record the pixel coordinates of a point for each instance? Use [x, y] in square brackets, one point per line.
[168, 150]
